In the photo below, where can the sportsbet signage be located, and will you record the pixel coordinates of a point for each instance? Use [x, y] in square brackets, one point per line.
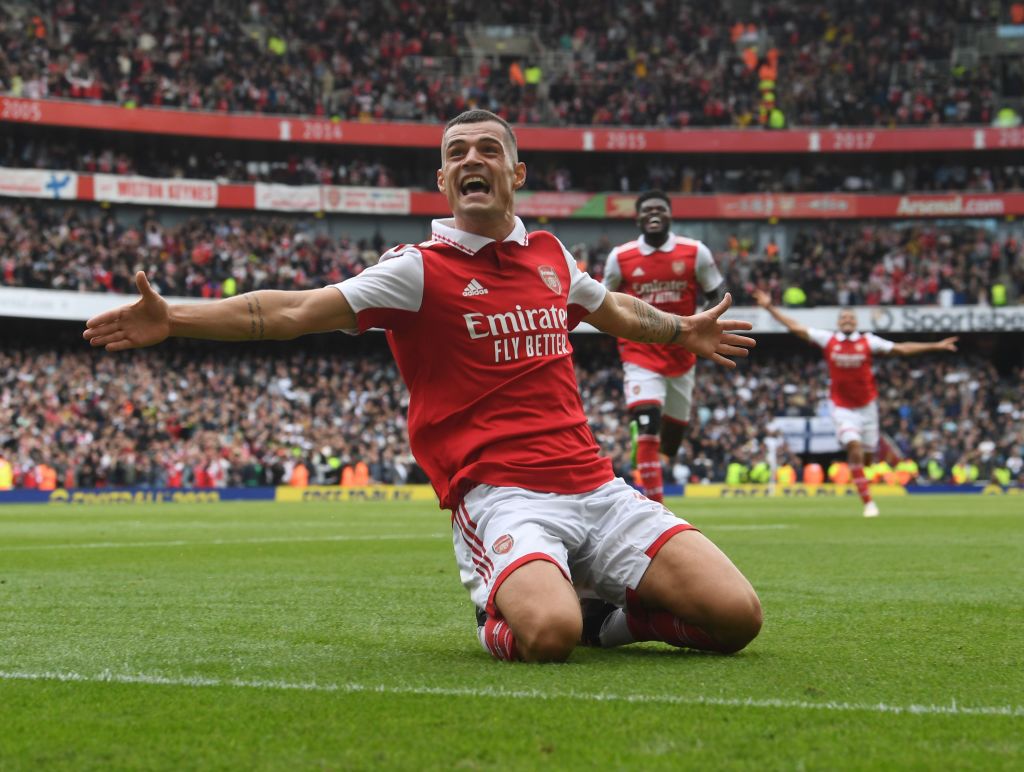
[886, 319]
[956, 319]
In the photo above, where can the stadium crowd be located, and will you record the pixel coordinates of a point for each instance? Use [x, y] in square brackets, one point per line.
[201, 417]
[205, 256]
[879, 264]
[547, 172]
[654, 64]
[219, 255]
[333, 411]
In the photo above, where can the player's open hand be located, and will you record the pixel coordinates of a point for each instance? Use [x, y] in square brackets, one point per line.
[708, 335]
[143, 323]
[762, 298]
[948, 344]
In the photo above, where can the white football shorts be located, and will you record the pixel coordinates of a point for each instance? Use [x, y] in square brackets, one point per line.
[675, 395]
[603, 539]
[857, 424]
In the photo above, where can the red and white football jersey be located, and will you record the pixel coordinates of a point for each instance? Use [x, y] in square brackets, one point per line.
[668, 278]
[479, 330]
[849, 359]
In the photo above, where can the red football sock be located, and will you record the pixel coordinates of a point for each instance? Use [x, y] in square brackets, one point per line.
[662, 626]
[861, 482]
[648, 461]
[497, 638]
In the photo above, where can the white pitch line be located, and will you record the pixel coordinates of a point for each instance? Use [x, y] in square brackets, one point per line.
[186, 543]
[108, 676]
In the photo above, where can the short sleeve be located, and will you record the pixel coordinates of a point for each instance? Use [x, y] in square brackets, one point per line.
[388, 291]
[586, 294]
[820, 337]
[612, 271]
[707, 272]
[878, 345]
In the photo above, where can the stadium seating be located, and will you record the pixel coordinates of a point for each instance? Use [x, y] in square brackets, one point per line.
[201, 415]
[883, 264]
[669, 64]
[218, 255]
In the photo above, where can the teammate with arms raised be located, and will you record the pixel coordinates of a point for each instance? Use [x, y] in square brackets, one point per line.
[667, 271]
[478, 319]
[853, 392]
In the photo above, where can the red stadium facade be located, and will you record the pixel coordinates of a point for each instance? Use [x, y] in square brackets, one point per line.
[300, 129]
[355, 200]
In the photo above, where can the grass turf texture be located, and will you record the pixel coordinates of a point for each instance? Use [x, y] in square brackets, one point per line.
[337, 636]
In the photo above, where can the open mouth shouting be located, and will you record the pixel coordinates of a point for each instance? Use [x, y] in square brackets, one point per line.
[474, 185]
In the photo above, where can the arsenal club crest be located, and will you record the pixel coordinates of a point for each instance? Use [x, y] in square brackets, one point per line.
[678, 266]
[548, 275]
[503, 544]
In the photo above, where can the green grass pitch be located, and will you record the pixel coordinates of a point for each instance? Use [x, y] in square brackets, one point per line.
[309, 636]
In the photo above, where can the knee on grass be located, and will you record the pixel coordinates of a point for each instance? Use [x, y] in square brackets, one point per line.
[548, 637]
[736, 621]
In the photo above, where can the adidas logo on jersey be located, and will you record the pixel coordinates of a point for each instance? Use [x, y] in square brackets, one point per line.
[638, 272]
[474, 288]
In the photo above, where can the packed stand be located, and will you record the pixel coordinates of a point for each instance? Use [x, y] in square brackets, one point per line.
[209, 415]
[217, 255]
[670, 64]
[833, 63]
[876, 264]
[202, 417]
[204, 256]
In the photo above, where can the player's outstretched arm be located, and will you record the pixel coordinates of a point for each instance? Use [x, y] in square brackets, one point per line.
[910, 349]
[764, 300]
[262, 315]
[705, 334]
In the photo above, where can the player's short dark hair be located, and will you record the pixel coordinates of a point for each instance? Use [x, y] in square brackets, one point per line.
[485, 116]
[647, 195]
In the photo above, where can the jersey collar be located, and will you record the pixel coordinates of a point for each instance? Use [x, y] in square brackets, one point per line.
[647, 249]
[853, 337]
[470, 243]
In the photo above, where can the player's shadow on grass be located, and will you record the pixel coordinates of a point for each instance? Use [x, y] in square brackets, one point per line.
[655, 652]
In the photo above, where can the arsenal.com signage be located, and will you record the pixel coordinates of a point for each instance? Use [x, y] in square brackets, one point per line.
[950, 206]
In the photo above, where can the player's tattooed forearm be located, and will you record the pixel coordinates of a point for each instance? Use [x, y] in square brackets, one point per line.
[252, 318]
[257, 326]
[655, 326]
[259, 311]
